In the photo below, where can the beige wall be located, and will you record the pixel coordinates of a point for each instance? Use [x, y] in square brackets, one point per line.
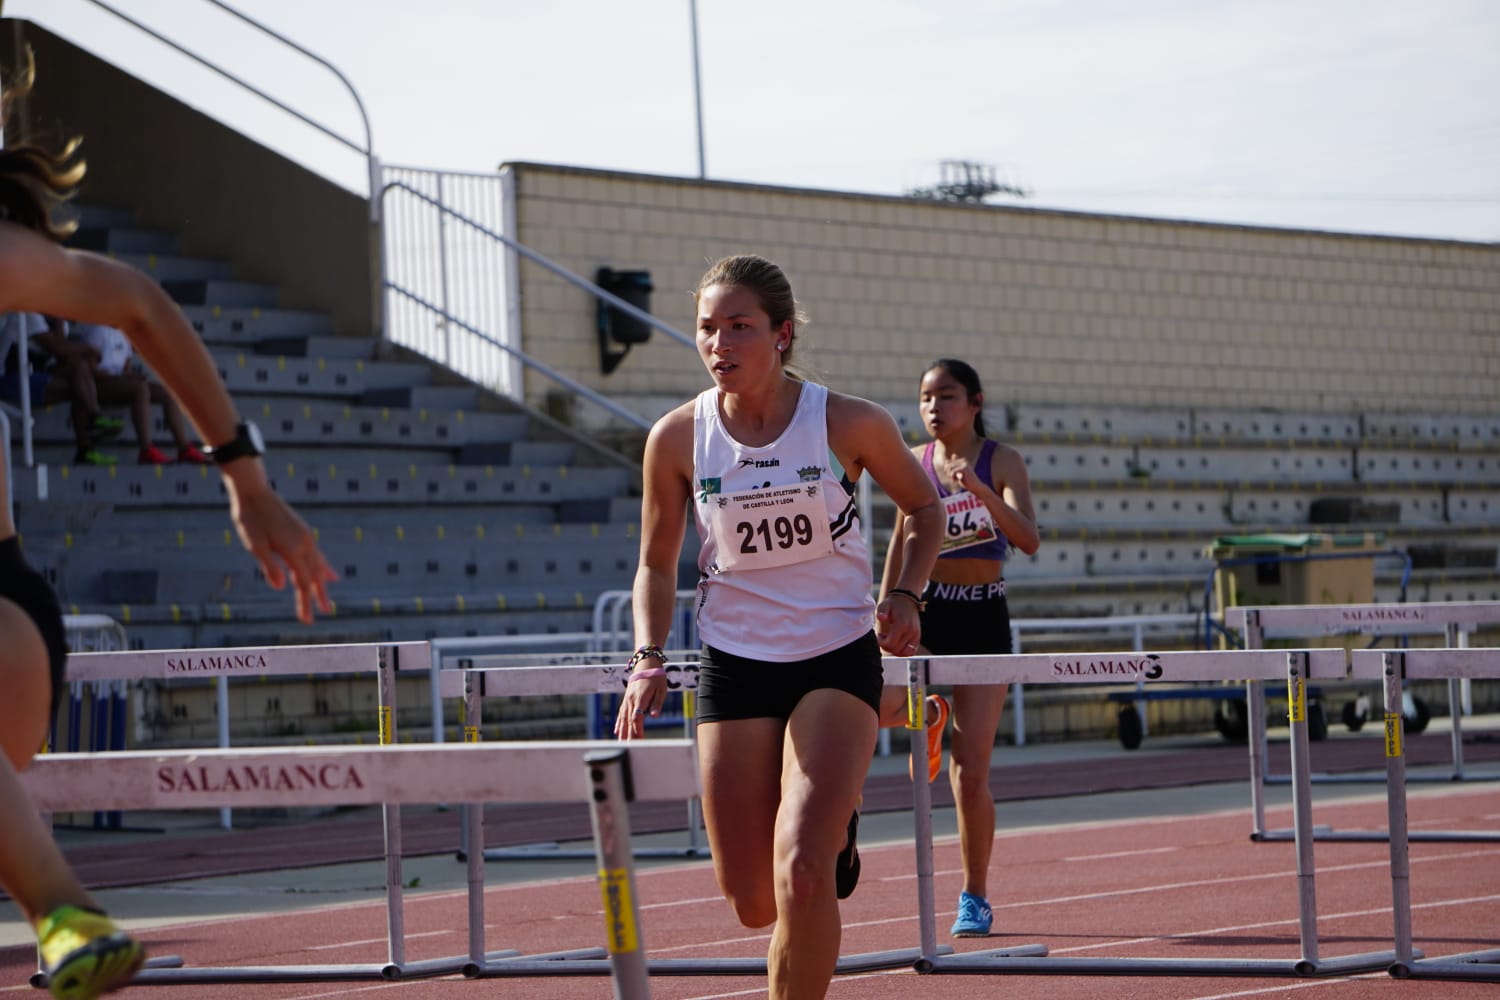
[1051, 307]
[225, 195]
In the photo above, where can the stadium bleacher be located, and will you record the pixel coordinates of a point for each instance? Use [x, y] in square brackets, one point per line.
[1130, 502]
[442, 507]
[446, 514]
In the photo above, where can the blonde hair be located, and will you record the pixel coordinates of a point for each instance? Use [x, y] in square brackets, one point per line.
[33, 180]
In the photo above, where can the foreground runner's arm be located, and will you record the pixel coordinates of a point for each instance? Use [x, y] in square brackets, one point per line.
[38, 276]
[666, 487]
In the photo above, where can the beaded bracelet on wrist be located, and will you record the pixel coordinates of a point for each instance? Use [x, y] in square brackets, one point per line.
[914, 598]
[645, 652]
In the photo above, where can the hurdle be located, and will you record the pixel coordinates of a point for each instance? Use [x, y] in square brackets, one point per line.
[1295, 667]
[95, 633]
[477, 682]
[386, 775]
[224, 664]
[1454, 620]
[1393, 668]
[481, 654]
[271, 661]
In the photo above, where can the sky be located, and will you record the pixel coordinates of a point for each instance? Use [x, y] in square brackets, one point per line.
[1372, 116]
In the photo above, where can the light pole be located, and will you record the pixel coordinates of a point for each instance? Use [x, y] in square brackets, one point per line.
[697, 87]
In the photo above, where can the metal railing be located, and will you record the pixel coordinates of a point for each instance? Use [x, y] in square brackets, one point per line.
[423, 323]
[367, 149]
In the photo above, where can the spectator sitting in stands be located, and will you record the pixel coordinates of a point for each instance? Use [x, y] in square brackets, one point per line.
[60, 372]
[119, 381]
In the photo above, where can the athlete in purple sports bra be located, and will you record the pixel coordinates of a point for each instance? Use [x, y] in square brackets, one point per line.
[986, 496]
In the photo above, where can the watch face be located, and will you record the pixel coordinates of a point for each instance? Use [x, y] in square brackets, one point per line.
[257, 442]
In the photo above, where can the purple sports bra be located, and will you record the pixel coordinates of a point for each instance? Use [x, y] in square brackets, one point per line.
[995, 548]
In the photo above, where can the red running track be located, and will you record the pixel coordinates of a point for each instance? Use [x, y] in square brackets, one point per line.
[1164, 888]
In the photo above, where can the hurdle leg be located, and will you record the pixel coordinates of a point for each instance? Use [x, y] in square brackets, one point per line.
[695, 846]
[1297, 669]
[608, 775]
[916, 726]
[1456, 639]
[221, 701]
[474, 827]
[1395, 796]
[391, 815]
[1255, 707]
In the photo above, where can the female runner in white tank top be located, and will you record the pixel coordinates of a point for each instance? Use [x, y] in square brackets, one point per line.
[790, 680]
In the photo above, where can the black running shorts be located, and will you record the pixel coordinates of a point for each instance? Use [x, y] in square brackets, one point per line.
[970, 619]
[25, 586]
[737, 687]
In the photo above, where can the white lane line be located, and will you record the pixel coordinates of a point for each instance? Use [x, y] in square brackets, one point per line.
[1288, 922]
[680, 902]
[1088, 897]
[762, 939]
[352, 989]
[379, 940]
[833, 988]
[724, 996]
[1288, 987]
[1122, 854]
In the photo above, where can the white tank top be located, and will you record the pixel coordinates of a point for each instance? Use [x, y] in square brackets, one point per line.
[784, 571]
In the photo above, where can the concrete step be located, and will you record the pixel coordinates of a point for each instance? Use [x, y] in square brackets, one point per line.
[288, 420]
[352, 378]
[93, 216]
[221, 292]
[394, 483]
[297, 346]
[424, 397]
[172, 267]
[247, 324]
[124, 239]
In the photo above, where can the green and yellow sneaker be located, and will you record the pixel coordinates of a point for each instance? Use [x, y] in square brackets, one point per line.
[85, 955]
[93, 456]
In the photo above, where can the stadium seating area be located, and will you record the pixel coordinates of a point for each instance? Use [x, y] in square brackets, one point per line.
[449, 511]
[446, 510]
[1131, 503]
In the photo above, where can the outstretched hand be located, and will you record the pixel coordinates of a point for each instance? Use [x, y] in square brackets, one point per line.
[282, 544]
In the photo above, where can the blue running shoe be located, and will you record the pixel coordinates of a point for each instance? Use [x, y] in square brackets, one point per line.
[974, 916]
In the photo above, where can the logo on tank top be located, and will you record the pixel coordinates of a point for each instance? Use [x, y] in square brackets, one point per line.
[708, 487]
[810, 474]
[760, 463]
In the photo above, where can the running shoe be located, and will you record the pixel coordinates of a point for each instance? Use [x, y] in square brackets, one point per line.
[152, 455]
[846, 868]
[85, 955]
[105, 428]
[192, 455]
[974, 916]
[92, 456]
[938, 711]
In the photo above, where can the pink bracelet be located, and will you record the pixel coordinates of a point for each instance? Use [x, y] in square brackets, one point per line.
[648, 673]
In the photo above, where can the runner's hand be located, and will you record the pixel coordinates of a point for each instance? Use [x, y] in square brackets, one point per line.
[898, 626]
[281, 542]
[643, 697]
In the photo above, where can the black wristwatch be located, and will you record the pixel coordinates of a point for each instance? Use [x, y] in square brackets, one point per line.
[247, 443]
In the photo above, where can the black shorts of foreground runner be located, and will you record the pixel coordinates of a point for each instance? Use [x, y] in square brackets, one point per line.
[605, 774]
